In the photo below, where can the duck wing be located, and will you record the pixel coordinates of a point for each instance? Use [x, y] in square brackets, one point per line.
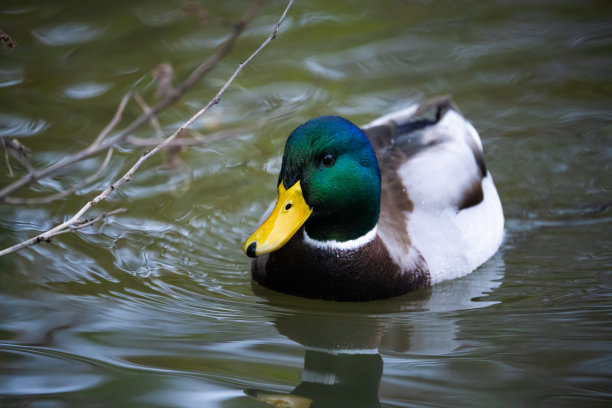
[445, 146]
[439, 205]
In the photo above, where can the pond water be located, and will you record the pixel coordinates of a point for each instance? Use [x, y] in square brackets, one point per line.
[155, 307]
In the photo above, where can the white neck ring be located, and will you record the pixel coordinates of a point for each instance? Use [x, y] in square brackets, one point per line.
[341, 245]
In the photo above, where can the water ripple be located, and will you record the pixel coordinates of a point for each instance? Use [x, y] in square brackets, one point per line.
[157, 307]
[36, 367]
[156, 15]
[10, 77]
[14, 125]
[66, 34]
[86, 90]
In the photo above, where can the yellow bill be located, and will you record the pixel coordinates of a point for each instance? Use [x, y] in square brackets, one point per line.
[288, 215]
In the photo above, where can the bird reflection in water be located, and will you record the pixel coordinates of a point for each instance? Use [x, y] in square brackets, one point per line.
[343, 365]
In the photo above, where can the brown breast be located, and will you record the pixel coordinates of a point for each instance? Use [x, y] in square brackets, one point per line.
[361, 274]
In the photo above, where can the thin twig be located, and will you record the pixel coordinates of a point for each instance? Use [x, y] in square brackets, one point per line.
[196, 138]
[136, 123]
[107, 129]
[154, 122]
[37, 175]
[90, 221]
[116, 118]
[68, 228]
[65, 193]
[75, 226]
[7, 158]
[19, 151]
[129, 174]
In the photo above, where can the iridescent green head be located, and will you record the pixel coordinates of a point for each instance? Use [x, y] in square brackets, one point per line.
[329, 182]
[339, 175]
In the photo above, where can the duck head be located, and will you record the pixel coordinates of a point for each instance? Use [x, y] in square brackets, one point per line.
[329, 182]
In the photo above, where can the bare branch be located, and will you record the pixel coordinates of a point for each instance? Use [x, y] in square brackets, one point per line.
[104, 144]
[65, 193]
[163, 73]
[76, 219]
[37, 175]
[19, 151]
[43, 200]
[7, 158]
[116, 118]
[154, 122]
[90, 221]
[57, 231]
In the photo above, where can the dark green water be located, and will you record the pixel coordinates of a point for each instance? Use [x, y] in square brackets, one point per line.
[155, 307]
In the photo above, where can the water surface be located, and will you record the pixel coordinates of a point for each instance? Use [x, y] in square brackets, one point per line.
[155, 307]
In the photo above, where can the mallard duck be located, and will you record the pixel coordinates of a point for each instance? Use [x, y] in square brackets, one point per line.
[402, 203]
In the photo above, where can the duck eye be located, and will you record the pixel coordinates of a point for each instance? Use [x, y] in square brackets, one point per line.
[328, 160]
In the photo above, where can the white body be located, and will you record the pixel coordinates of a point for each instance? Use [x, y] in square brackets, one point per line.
[453, 243]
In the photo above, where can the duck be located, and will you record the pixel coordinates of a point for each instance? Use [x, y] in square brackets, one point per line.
[369, 212]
